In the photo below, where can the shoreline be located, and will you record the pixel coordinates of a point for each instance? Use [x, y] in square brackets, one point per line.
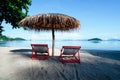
[61, 47]
[16, 64]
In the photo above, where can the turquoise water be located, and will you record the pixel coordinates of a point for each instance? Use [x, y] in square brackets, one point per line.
[103, 45]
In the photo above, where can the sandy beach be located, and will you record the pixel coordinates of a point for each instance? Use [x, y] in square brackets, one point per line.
[16, 64]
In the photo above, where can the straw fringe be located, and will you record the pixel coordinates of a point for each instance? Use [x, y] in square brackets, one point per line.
[47, 21]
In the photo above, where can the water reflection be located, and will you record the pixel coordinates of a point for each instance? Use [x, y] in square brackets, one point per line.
[95, 41]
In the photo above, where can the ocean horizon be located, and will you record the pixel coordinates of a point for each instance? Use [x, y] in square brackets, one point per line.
[101, 45]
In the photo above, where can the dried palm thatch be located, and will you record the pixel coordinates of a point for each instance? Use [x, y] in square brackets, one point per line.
[57, 21]
[50, 21]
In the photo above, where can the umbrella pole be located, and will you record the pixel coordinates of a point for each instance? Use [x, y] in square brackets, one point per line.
[53, 40]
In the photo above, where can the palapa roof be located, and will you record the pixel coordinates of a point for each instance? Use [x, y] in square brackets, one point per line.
[50, 21]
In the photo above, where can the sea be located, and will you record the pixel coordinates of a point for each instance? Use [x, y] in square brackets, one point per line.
[100, 45]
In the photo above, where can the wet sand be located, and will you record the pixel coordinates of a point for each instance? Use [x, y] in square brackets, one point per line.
[16, 64]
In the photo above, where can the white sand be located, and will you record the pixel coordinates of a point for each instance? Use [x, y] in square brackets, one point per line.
[16, 64]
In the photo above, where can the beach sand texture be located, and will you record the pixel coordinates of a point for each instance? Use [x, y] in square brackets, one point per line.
[16, 64]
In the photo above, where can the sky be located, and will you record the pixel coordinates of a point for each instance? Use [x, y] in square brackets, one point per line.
[98, 18]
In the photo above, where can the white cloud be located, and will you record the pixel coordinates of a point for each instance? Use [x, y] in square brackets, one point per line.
[58, 36]
[67, 35]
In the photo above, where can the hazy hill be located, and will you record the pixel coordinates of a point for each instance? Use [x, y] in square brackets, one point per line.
[95, 39]
[6, 38]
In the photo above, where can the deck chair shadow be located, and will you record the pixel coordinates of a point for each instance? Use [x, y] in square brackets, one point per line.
[40, 51]
[70, 54]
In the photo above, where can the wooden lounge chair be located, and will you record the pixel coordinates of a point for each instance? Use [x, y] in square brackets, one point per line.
[40, 51]
[70, 54]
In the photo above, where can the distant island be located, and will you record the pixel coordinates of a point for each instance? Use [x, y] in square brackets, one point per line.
[6, 38]
[95, 39]
[98, 39]
[18, 39]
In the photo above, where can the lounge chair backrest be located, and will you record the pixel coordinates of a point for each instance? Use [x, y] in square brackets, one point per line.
[70, 50]
[40, 48]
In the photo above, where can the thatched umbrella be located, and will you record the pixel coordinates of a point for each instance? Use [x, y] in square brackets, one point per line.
[50, 21]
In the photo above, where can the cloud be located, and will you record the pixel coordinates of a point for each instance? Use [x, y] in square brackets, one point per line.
[42, 36]
[72, 36]
[58, 36]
